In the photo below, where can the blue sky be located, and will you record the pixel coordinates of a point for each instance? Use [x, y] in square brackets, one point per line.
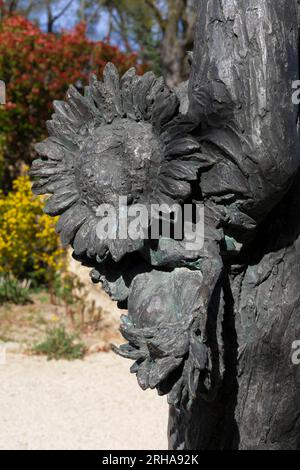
[68, 20]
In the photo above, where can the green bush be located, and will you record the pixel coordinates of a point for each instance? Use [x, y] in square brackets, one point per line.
[14, 291]
[59, 344]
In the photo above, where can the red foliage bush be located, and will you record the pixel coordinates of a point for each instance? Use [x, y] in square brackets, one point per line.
[37, 68]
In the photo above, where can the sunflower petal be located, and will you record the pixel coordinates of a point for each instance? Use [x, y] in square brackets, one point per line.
[135, 367]
[203, 160]
[60, 202]
[49, 148]
[156, 89]
[143, 375]
[174, 188]
[57, 129]
[70, 222]
[107, 106]
[128, 82]
[161, 369]
[65, 112]
[65, 129]
[162, 198]
[174, 396]
[165, 107]
[141, 90]
[94, 91]
[78, 104]
[119, 248]
[42, 168]
[186, 170]
[182, 146]
[112, 84]
[178, 346]
[131, 334]
[81, 240]
[89, 98]
[47, 186]
[97, 248]
[127, 352]
[104, 99]
[155, 351]
[91, 249]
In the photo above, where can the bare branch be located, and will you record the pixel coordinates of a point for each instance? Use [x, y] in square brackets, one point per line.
[66, 7]
[157, 13]
[31, 5]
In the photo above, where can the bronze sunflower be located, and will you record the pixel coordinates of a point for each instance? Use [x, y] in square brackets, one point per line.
[123, 137]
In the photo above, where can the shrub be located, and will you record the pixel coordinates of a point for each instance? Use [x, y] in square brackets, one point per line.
[12, 290]
[63, 287]
[37, 68]
[29, 245]
[59, 344]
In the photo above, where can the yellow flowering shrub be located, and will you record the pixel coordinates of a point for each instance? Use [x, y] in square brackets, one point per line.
[2, 140]
[29, 245]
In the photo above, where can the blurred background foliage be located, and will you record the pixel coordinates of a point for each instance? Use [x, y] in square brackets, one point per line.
[46, 45]
[37, 68]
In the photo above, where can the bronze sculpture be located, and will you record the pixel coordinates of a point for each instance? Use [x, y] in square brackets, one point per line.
[201, 323]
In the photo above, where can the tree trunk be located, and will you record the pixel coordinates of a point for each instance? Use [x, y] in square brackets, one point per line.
[246, 58]
[176, 43]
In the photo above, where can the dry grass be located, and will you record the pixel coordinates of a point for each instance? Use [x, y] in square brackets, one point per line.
[27, 324]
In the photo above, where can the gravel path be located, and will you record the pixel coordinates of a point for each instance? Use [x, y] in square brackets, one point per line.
[90, 404]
